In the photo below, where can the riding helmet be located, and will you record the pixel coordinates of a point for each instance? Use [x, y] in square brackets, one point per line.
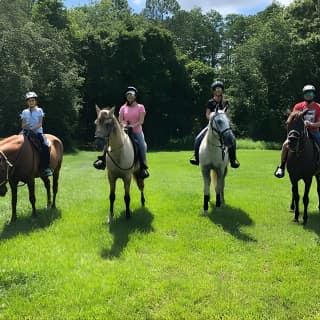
[131, 90]
[216, 84]
[30, 95]
[309, 87]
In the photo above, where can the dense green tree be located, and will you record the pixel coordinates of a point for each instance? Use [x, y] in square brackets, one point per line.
[160, 9]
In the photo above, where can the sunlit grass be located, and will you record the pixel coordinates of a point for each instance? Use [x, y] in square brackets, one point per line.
[247, 260]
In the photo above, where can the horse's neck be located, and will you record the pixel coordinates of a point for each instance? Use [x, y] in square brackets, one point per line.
[117, 136]
[212, 140]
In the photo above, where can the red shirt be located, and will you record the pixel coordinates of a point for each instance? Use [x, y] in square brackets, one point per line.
[313, 115]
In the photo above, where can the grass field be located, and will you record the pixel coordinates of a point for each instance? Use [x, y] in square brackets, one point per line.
[247, 260]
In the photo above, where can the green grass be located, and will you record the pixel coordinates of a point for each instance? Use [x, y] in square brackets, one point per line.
[247, 260]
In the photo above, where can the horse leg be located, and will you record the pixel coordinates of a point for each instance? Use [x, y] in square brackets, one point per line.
[295, 196]
[140, 184]
[14, 190]
[206, 189]
[55, 185]
[127, 183]
[46, 182]
[32, 197]
[219, 189]
[307, 185]
[112, 197]
[318, 189]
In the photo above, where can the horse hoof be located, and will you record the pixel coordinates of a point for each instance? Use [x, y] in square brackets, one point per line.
[204, 213]
[128, 215]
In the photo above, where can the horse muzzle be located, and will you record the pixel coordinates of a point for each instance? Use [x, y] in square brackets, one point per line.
[99, 142]
[228, 138]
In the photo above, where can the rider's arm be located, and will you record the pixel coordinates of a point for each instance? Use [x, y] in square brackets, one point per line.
[140, 121]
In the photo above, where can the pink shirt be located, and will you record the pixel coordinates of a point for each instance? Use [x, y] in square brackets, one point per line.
[131, 114]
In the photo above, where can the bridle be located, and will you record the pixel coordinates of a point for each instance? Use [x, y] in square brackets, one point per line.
[220, 133]
[298, 136]
[8, 166]
[110, 125]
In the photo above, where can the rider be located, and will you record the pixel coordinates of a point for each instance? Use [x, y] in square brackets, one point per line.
[131, 116]
[312, 123]
[215, 103]
[32, 118]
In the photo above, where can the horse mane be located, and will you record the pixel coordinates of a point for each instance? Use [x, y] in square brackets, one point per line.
[294, 115]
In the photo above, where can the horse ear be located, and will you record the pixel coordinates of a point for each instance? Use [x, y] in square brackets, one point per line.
[304, 111]
[97, 110]
[112, 109]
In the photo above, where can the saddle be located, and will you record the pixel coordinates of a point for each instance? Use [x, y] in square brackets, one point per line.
[33, 139]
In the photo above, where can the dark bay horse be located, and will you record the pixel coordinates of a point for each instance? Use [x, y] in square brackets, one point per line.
[302, 162]
[20, 161]
[120, 157]
[213, 156]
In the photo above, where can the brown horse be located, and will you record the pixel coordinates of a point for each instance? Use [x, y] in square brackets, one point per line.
[302, 162]
[20, 161]
[120, 157]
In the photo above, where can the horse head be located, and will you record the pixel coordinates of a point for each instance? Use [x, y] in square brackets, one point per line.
[220, 126]
[105, 123]
[296, 130]
[5, 166]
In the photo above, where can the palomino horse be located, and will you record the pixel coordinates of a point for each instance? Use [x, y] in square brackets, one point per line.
[302, 162]
[213, 155]
[20, 161]
[120, 157]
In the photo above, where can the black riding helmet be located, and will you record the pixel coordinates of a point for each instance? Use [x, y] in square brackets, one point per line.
[217, 84]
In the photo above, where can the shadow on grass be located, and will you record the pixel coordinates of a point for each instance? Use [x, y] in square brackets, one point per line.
[231, 220]
[28, 224]
[313, 223]
[121, 228]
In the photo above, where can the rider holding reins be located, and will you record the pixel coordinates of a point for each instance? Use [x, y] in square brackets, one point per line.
[215, 103]
[311, 121]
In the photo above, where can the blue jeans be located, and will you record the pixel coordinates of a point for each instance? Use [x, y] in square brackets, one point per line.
[139, 138]
[315, 135]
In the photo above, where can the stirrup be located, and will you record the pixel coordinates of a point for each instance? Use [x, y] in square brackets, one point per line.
[279, 173]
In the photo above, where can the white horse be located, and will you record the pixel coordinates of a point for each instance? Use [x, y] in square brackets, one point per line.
[120, 157]
[214, 157]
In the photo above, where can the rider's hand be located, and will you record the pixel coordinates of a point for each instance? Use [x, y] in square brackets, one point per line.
[308, 124]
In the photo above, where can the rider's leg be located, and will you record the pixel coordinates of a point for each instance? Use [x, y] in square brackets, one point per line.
[197, 143]
[142, 153]
[279, 173]
[232, 156]
[44, 156]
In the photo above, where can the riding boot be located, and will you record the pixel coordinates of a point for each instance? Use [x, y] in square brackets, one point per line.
[232, 156]
[100, 163]
[143, 171]
[280, 170]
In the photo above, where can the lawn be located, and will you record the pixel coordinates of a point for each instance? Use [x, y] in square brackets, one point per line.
[247, 260]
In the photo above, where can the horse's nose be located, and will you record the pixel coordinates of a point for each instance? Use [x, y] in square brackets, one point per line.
[99, 143]
[229, 139]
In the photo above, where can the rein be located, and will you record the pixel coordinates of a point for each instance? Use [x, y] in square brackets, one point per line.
[8, 166]
[109, 152]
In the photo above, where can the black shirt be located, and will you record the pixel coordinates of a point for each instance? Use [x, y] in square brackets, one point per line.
[213, 105]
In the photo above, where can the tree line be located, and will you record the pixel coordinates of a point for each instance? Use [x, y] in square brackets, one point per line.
[79, 57]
